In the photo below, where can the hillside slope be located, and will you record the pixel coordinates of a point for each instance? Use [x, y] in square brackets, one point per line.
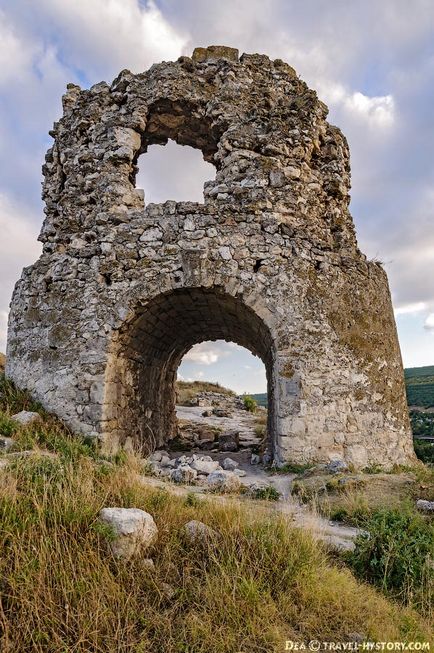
[419, 383]
[260, 583]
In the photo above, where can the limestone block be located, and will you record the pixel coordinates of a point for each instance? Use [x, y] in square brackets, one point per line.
[135, 530]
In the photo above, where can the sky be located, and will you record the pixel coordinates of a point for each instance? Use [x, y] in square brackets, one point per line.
[371, 61]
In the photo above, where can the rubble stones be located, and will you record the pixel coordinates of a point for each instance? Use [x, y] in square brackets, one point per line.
[135, 530]
[336, 467]
[269, 260]
[229, 465]
[183, 474]
[229, 441]
[425, 506]
[26, 417]
[224, 481]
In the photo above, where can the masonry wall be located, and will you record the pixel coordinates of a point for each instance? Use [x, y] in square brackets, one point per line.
[122, 290]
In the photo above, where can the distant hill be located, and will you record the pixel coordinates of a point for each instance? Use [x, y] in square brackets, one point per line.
[261, 398]
[419, 383]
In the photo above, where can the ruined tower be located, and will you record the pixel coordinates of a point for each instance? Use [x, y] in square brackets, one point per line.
[100, 323]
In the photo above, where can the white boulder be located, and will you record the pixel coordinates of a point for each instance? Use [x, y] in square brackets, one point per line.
[224, 481]
[26, 417]
[135, 530]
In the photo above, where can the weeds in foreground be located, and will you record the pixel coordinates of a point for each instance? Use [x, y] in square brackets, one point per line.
[263, 583]
[61, 590]
[396, 552]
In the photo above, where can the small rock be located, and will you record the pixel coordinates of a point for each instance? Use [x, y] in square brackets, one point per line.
[154, 468]
[196, 532]
[135, 530]
[240, 472]
[229, 465]
[356, 637]
[149, 564]
[224, 481]
[155, 457]
[221, 412]
[165, 461]
[425, 506]
[205, 466]
[336, 467]
[26, 417]
[6, 443]
[183, 474]
[229, 441]
[255, 459]
[167, 590]
[184, 460]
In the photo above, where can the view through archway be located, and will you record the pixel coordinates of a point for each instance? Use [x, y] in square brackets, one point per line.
[221, 396]
[148, 351]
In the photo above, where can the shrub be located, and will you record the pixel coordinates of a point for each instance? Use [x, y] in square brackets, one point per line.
[249, 403]
[395, 552]
[424, 451]
[7, 425]
[268, 493]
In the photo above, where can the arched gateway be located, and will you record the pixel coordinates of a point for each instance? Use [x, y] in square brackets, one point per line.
[99, 324]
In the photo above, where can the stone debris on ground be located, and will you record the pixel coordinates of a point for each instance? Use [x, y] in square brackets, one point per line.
[196, 532]
[26, 417]
[425, 506]
[134, 529]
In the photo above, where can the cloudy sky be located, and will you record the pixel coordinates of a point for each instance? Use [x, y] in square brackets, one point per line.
[371, 61]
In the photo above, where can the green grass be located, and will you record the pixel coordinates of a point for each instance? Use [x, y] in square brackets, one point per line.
[396, 553]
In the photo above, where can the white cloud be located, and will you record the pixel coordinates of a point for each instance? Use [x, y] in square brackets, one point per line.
[203, 354]
[18, 248]
[115, 34]
[15, 55]
[3, 330]
[408, 309]
[429, 322]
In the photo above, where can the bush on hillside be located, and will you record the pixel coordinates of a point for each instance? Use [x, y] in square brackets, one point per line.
[395, 552]
[249, 404]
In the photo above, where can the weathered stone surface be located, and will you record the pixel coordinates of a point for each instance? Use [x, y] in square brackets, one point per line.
[183, 474]
[205, 466]
[425, 506]
[135, 530]
[269, 260]
[196, 532]
[336, 467]
[224, 481]
[26, 417]
[229, 465]
[6, 443]
[229, 441]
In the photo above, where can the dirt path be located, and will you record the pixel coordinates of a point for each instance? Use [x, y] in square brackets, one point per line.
[336, 535]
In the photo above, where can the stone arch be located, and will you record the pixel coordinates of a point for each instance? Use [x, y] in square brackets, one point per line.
[139, 398]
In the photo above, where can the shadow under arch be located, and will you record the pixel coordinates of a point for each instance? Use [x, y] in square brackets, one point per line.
[139, 397]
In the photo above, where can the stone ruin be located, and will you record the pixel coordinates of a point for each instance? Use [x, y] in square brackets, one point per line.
[99, 324]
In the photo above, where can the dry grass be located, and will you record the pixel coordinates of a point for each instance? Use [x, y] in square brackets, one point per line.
[186, 391]
[2, 362]
[62, 591]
